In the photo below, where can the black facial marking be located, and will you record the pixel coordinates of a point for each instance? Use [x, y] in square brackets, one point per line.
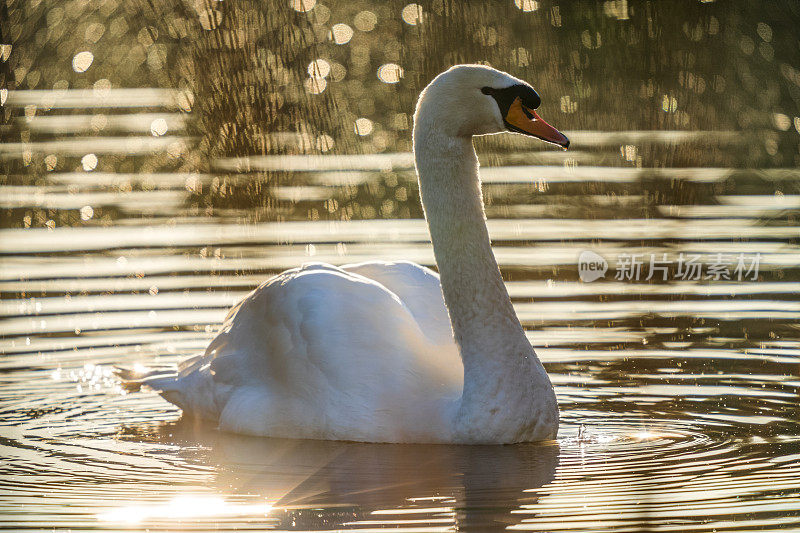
[505, 97]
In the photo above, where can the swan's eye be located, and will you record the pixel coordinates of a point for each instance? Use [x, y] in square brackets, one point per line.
[505, 97]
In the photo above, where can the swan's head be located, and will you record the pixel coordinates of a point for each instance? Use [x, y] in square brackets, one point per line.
[469, 100]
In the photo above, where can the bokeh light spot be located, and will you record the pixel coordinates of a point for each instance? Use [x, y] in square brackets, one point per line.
[527, 5]
[617, 9]
[321, 15]
[82, 61]
[303, 5]
[365, 20]
[210, 19]
[412, 14]
[158, 127]
[363, 126]
[319, 68]
[86, 212]
[101, 87]
[316, 85]
[390, 73]
[338, 71]
[98, 122]
[521, 57]
[782, 122]
[764, 31]
[94, 32]
[324, 143]
[400, 121]
[89, 162]
[342, 33]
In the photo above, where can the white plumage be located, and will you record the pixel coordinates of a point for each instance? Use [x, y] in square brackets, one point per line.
[369, 352]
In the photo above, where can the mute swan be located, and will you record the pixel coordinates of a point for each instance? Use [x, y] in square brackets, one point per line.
[366, 352]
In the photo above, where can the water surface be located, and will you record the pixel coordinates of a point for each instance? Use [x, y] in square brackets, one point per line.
[127, 233]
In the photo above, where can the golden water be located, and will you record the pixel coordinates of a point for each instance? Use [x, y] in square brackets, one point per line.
[679, 399]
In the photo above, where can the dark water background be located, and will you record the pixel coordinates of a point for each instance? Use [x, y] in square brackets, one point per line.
[200, 147]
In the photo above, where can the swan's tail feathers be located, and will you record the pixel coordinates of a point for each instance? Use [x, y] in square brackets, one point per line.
[165, 381]
[161, 380]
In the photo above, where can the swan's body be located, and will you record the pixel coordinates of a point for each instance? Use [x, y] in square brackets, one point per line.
[368, 352]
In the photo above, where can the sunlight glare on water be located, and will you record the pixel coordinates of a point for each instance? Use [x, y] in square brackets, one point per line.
[183, 507]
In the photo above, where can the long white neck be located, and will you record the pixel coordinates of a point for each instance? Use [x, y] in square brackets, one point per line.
[507, 395]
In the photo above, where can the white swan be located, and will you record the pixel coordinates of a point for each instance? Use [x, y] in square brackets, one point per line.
[366, 352]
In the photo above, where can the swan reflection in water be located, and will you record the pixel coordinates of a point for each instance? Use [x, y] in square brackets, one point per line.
[312, 484]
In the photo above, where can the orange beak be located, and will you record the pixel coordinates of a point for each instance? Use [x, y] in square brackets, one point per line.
[527, 121]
